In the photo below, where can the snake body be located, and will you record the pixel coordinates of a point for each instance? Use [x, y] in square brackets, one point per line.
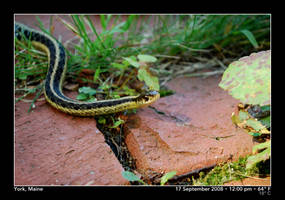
[55, 77]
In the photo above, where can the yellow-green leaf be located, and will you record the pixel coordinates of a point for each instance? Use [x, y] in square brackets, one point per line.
[150, 80]
[262, 156]
[249, 79]
[146, 58]
[256, 125]
[166, 177]
[133, 62]
[250, 37]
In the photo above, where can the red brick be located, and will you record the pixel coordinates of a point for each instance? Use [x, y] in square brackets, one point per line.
[184, 139]
[53, 148]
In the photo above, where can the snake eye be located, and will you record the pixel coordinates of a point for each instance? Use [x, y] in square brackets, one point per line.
[152, 93]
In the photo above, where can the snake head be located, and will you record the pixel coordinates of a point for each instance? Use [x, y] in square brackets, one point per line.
[148, 97]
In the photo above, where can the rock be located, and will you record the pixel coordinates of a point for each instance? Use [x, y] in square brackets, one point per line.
[53, 148]
[189, 130]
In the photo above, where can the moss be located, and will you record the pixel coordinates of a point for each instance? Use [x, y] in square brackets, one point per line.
[226, 172]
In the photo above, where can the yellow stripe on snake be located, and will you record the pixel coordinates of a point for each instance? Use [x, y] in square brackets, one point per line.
[55, 77]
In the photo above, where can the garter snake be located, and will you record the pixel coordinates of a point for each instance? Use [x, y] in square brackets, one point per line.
[55, 77]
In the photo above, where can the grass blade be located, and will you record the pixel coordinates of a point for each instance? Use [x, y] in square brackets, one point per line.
[167, 176]
[250, 37]
[94, 31]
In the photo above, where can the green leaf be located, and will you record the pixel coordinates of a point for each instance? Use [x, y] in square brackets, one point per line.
[22, 76]
[103, 22]
[265, 121]
[256, 125]
[243, 115]
[104, 86]
[262, 156]
[129, 91]
[86, 94]
[261, 146]
[249, 79]
[125, 63]
[130, 176]
[146, 58]
[82, 97]
[117, 123]
[87, 90]
[254, 134]
[128, 22]
[150, 80]
[132, 62]
[119, 66]
[91, 99]
[101, 120]
[119, 28]
[96, 74]
[250, 37]
[166, 92]
[265, 108]
[166, 177]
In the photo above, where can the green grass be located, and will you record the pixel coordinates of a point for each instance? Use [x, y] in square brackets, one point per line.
[162, 36]
[30, 69]
[232, 171]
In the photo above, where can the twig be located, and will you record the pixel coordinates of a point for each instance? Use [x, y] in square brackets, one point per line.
[220, 63]
[205, 73]
[37, 96]
[248, 176]
[191, 49]
[167, 56]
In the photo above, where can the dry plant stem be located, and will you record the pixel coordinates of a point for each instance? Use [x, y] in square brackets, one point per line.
[127, 79]
[205, 74]
[248, 176]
